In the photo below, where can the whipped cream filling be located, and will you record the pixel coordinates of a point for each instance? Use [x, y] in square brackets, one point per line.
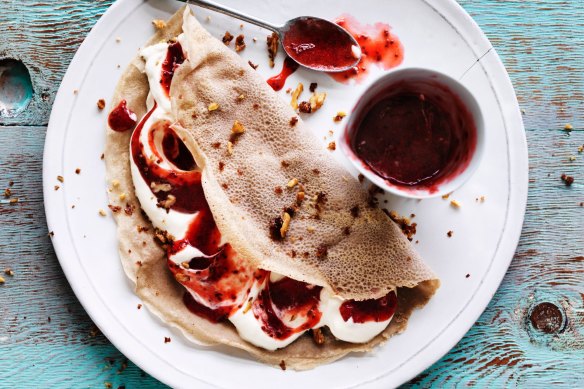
[248, 325]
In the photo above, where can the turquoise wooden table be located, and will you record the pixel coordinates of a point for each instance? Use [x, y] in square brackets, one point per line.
[532, 333]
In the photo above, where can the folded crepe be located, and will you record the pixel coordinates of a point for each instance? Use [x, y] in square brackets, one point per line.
[337, 238]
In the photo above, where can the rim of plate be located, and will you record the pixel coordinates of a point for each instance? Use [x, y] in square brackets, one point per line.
[142, 356]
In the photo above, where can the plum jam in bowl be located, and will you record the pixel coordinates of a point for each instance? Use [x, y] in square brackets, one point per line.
[415, 133]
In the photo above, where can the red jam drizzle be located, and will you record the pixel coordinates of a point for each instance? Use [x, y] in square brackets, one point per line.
[218, 277]
[174, 57]
[319, 44]
[378, 46]
[121, 118]
[287, 299]
[376, 310]
[417, 133]
[277, 82]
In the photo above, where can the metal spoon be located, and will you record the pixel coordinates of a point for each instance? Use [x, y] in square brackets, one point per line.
[283, 30]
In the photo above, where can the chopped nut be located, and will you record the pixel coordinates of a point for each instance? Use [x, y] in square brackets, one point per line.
[167, 339]
[273, 44]
[8, 192]
[275, 226]
[292, 183]
[296, 94]
[182, 277]
[305, 107]
[283, 365]
[139, 306]
[332, 146]
[340, 116]
[572, 158]
[240, 43]
[227, 38]
[108, 385]
[13, 201]
[185, 264]
[169, 202]
[278, 190]
[247, 307]
[299, 197]
[449, 233]
[581, 149]
[446, 196]
[321, 251]
[159, 24]
[237, 128]
[2, 280]
[101, 212]
[9, 272]
[310, 229]
[230, 148]
[568, 127]
[285, 224]
[115, 208]
[293, 120]
[158, 187]
[56, 188]
[60, 179]
[408, 229]
[568, 180]
[455, 203]
[213, 107]
[318, 336]
[317, 100]
[77, 171]
[361, 177]
[129, 210]
[101, 104]
[312, 87]
[122, 197]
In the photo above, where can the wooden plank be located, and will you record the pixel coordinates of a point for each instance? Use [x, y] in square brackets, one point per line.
[540, 43]
[46, 338]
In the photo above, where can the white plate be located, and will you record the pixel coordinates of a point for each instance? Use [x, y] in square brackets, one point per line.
[437, 34]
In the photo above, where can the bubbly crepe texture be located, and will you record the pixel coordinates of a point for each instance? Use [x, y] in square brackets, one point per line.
[369, 262]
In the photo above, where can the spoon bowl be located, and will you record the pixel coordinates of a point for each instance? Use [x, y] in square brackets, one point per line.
[315, 43]
[319, 44]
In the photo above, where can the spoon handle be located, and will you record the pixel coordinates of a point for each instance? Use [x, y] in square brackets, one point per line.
[233, 13]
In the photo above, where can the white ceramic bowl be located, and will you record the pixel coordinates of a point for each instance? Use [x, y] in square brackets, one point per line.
[431, 79]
